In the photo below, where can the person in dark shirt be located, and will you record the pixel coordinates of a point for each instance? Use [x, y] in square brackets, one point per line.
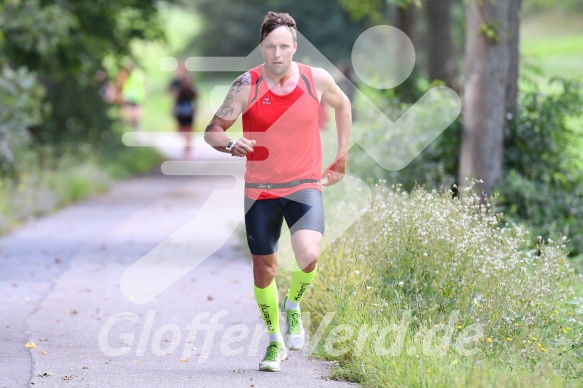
[184, 107]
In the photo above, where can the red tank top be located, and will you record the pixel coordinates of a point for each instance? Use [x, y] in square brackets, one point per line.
[287, 136]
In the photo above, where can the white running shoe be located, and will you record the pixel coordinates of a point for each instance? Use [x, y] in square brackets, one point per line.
[294, 336]
[275, 353]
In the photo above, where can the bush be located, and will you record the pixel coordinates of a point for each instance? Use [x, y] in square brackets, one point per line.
[434, 163]
[20, 107]
[543, 182]
[461, 297]
[542, 186]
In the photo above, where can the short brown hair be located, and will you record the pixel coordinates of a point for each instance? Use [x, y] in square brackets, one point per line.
[273, 20]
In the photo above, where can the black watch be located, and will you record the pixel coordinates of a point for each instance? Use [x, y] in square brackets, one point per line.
[230, 145]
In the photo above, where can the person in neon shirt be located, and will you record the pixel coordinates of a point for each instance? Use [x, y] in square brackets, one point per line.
[133, 95]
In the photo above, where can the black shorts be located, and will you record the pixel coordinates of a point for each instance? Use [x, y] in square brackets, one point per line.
[184, 120]
[264, 218]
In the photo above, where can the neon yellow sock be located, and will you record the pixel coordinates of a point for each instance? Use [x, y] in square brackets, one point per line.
[300, 281]
[267, 300]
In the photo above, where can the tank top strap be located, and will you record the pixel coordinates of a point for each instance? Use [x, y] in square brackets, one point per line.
[256, 83]
[306, 81]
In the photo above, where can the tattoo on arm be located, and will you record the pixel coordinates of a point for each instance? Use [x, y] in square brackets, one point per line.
[237, 86]
[209, 127]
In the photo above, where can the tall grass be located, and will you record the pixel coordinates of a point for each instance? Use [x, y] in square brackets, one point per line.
[431, 291]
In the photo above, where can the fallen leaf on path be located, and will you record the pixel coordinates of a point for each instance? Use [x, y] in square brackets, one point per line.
[70, 377]
[184, 360]
[46, 374]
[30, 345]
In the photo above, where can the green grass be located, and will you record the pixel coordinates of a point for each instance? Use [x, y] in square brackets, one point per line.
[556, 56]
[449, 297]
[554, 47]
[554, 42]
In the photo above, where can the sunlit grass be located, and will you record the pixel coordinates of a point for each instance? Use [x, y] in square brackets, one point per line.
[554, 41]
[557, 46]
[561, 56]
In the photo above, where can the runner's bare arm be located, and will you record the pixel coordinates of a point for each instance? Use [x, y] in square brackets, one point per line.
[333, 96]
[234, 104]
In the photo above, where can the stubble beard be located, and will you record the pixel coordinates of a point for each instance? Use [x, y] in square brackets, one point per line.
[279, 72]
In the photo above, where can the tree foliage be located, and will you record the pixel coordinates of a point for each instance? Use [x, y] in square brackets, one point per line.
[65, 42]
[543, 181]
[227, 33]
[19, 90]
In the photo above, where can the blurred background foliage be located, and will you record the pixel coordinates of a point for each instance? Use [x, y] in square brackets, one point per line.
[54, 54]
[57, 135]
[228, 33]
[64, 43]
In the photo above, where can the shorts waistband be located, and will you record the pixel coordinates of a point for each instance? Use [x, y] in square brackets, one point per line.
[286, 185]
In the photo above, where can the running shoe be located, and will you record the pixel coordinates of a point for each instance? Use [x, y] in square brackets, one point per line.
[294, 335]
[275, 353]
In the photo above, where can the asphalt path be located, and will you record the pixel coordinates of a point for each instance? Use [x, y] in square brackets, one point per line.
[147, 285]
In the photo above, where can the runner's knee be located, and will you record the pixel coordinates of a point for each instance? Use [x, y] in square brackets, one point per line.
[264, 271]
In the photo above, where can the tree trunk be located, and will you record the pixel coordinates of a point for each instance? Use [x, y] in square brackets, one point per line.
[440, 56]
[406, 21]
[486, 80]
[514, 56]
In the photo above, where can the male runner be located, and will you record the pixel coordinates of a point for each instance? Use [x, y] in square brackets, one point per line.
[279, 101]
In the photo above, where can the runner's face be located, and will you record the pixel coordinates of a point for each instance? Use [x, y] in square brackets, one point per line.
[278, 49]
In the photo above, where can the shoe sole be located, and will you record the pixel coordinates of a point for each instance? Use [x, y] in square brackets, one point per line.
[295, 348]
[270, 369]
